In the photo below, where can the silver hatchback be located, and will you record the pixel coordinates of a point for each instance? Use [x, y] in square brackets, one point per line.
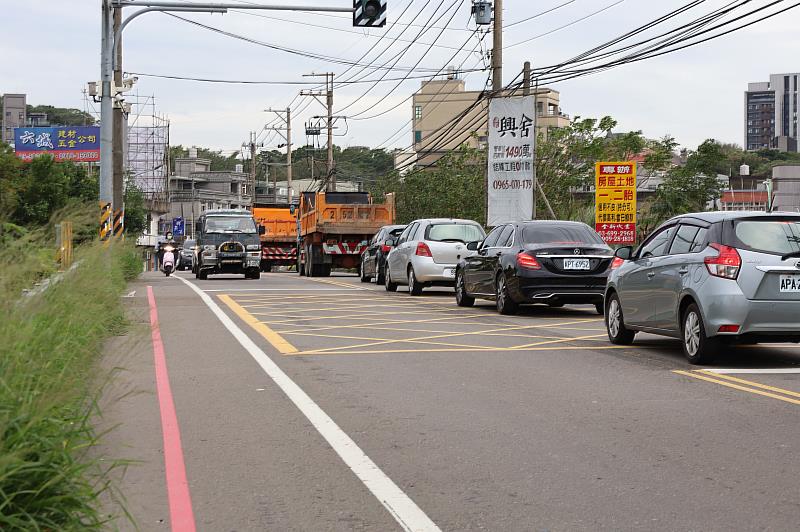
[709, 279]
[428, 251]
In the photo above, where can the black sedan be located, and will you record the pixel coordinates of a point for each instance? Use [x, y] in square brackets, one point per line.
[549, 262]
[373, 260]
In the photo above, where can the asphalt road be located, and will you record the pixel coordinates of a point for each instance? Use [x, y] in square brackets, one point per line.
[344, 407]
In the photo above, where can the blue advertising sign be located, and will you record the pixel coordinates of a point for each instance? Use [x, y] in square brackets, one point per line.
[65, 143]
[177, 226]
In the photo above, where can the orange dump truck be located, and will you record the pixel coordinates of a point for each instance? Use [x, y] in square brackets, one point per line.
[279, 241]
[335, 229]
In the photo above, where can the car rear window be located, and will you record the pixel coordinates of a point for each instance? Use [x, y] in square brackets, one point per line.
[454, 232]
[571, 235]
[768, 236]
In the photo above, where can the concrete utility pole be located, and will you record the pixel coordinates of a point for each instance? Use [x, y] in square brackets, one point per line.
[526, 91]
[119, 123]
[253, 169]
[497, 47]
[329, 103]
[287, 125]
[328, 93]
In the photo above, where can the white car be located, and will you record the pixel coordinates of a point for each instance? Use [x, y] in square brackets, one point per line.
[427, 252]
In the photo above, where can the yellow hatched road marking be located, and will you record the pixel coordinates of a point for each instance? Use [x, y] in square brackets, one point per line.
[588, 337]
[277, 341]
[752, 383]
[705, 377]
[455, 350]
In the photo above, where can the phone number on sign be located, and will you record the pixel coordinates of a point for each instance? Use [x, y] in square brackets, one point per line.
[512, 184]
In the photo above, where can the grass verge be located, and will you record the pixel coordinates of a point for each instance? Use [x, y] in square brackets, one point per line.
[48, 347]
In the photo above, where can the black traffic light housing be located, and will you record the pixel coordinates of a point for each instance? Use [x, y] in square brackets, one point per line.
[369, 13]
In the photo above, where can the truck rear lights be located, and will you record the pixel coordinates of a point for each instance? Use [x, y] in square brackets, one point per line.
[616, 263]
[528, 262]
[726, 264]
[728, 328]
[423, 250]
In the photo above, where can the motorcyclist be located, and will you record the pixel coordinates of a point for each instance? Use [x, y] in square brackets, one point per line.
[168, 241]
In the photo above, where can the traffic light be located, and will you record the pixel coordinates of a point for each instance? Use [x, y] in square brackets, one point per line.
[369, 13]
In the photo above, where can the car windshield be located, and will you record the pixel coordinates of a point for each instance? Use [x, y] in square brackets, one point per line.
[454, 232]
[188, 244]
[568, 235]
[769, 236]
[230, 224]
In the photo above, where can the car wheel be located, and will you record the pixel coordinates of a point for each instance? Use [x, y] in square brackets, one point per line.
[203, 275]
[698, 348]
[462, 298]
[388, 284]
[364, 278]
[615, 323]
[505, 305]
[381, 275]
[600, 308]
[414, 286]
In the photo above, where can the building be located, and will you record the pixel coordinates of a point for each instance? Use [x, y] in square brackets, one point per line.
[15, 114]
[770, 113]
[440, 101]
[194, 188]
[786, 188]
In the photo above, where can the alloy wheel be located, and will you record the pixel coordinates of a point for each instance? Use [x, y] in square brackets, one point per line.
[691, 333]
[614, 317]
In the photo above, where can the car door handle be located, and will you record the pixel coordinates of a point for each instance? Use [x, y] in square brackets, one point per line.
[650, 275]
[683, 271]
[498, 253]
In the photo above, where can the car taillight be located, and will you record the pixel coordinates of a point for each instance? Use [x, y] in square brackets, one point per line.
[726, 264]
[528, 262]
[616, 263]
[423, 250]
[385, 248]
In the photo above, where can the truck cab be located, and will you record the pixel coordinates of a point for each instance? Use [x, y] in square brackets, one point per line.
[228, 242]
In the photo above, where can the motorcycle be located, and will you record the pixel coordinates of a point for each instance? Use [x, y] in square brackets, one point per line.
[168, 260]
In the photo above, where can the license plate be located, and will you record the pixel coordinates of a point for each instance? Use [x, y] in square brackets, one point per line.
[790, 283]
[576, 264]
[231, 262]
[449, 272]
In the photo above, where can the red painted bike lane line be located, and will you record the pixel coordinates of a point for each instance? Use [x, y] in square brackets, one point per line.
[180, 500]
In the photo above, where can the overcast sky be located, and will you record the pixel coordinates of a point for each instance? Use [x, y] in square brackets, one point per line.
[49, 49]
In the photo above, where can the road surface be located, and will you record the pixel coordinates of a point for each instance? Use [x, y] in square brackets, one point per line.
[329, 404]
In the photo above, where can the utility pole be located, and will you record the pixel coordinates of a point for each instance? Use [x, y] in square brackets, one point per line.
[253, 169]
[497, 47]
[328, 93]
[119, 124]
[285, 115]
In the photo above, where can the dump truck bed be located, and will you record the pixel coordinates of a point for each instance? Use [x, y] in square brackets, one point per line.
[358, 217]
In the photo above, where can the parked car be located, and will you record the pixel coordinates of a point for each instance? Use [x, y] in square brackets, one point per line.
[710, 279]
[427, 251]
[550, 262]
[373, 260]
[186, 255]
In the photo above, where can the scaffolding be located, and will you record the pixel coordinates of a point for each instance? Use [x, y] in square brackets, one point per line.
[147, 147]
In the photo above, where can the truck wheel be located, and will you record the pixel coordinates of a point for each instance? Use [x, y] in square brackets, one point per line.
[324, 270]
[202, 275]
[252, 274]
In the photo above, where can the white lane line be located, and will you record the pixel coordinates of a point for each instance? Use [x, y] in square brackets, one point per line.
[754, 371]
[407, 514]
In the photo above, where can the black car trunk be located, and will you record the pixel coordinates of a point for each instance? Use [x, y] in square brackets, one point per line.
[578, 259]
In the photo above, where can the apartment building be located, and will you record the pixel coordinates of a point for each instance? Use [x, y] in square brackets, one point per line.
[770, 113]
[439, 102]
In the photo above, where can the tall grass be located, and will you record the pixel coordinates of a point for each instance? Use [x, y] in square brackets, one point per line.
[48, 346]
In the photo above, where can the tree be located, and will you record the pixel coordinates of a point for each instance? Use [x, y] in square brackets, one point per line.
[135, 210]
[60, 116]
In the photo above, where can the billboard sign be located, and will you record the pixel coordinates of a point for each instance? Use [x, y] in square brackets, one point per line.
[64, 143]
[511, 150]
[178, 226]
[615, 201]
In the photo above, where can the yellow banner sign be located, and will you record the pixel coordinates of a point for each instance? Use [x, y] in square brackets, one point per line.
[615, 201]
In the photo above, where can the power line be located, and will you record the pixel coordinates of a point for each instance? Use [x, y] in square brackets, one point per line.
[537, 15]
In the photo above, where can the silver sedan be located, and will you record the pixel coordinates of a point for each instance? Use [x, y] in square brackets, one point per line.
[427, 252]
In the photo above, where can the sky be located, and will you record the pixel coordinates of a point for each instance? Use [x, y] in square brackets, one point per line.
[50, 49]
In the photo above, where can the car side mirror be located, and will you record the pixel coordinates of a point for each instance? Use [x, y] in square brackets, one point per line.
[624, 253]
[390, 242]
[262, 230]
[473, 246]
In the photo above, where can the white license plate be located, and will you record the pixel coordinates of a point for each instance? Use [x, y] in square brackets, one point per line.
[576, 264]
[450, 272]
[790, 283]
